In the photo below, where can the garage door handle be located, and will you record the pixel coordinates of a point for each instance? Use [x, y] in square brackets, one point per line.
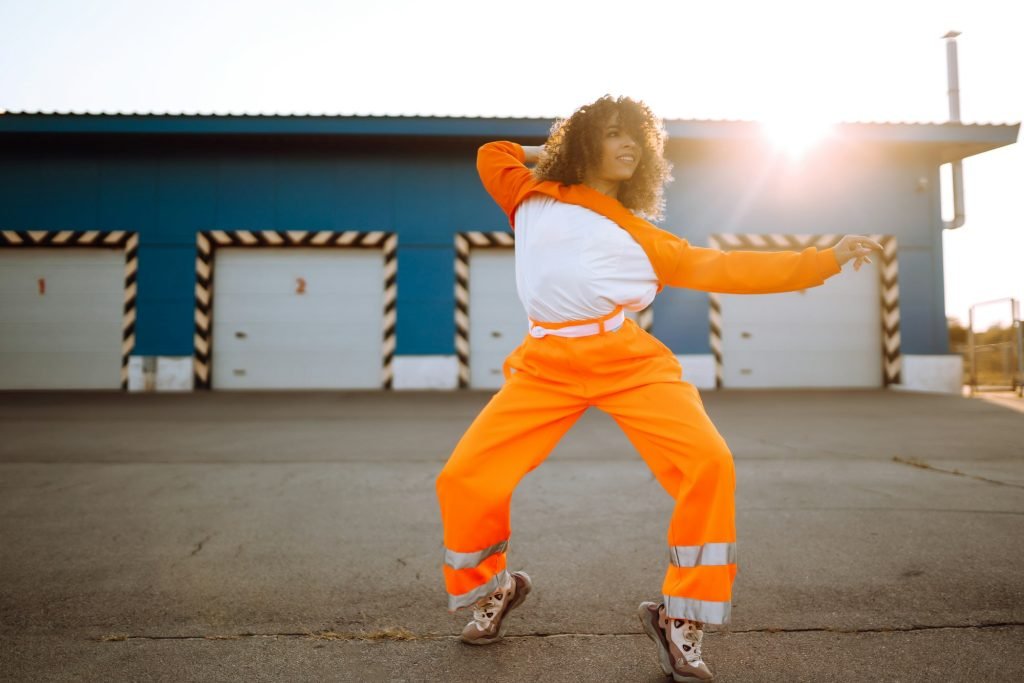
[745, 335]
[240, 335]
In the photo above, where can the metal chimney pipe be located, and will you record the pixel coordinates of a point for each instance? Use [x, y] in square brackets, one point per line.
[953, 78]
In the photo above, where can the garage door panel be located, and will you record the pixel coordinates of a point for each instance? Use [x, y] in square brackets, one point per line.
[76, 269]
[312, 369]
[242, 308]
[839, 336]
[313, 286]
[61, 370]
[797, 358]
[253, 358]
[267, 334]
[801, 310]
[62, 336]
[509, 328]
[68, 333]
[808, 369]
[267, 337]
[323, 270]
[823, 336]
[65, 315]
[497, 321]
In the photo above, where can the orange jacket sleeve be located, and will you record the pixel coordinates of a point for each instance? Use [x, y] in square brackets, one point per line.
[676, 263]
[503, 174]
[740, 272]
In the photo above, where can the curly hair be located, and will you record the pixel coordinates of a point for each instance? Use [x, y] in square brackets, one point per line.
[574, 145]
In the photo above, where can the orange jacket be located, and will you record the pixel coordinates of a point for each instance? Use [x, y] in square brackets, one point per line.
[676, 263]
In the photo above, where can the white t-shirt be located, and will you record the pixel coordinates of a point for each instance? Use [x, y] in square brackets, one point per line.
[574, 264]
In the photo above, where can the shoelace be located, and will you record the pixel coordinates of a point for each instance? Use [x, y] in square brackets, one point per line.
[693, 637]
[485, 610]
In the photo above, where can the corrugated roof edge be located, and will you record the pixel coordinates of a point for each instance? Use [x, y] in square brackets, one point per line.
[954, 140]
[289, 115]
[186, 114]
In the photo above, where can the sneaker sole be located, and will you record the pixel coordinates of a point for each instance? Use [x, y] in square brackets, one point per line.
[521, 593]
[649, 620]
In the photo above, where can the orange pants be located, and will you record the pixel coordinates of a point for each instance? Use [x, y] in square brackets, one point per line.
[550, 382]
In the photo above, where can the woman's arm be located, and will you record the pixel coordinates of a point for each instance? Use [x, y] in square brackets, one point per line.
[748, 272]
[760, 272]
[503, 172]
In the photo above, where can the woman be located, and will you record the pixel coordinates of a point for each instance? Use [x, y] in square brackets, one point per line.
[584, 253]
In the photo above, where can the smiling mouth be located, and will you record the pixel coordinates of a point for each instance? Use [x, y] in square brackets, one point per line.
[628, 158]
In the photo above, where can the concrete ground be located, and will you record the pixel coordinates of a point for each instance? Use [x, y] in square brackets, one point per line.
[295, 536]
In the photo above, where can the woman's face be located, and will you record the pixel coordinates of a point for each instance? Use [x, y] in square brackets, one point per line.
[620, 153]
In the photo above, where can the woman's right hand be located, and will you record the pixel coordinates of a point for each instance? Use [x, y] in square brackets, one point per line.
[856, 247]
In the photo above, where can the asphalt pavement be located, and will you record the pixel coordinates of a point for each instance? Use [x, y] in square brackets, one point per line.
[217, 536]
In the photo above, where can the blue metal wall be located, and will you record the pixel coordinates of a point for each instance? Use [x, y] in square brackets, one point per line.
[170, 187]
[734, 188]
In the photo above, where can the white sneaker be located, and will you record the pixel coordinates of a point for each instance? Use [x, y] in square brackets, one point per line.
[488, 625]
[678, 641]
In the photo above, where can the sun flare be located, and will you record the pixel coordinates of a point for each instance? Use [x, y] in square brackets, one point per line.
[796, 137]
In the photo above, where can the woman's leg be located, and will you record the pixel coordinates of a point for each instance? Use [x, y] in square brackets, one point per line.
[516, 430]
[668, 425]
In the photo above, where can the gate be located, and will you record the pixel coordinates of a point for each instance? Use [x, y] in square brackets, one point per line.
[995, 347]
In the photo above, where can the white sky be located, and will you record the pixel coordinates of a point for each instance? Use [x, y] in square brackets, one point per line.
[880, 60]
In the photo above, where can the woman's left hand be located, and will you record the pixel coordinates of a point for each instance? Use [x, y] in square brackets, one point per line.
[858, 247]
[533, 154]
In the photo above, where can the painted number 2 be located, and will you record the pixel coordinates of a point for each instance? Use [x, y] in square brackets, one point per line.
[300, 285]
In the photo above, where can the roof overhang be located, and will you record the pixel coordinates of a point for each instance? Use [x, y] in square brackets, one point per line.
[952, 141]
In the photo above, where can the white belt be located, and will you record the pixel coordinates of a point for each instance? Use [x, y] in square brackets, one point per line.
[584, 330]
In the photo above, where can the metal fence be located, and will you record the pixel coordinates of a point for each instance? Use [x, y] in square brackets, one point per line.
[995, 355]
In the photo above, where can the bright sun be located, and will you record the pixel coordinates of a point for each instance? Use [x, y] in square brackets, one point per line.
[796, 137]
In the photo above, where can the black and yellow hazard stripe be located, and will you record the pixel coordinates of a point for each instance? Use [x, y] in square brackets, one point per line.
[464, 241]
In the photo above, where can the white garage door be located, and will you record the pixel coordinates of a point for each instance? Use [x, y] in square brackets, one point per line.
[297, 318]
[497, 321]
[61, 311]
[827, 336]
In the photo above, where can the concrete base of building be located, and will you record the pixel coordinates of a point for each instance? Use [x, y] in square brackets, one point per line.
[425, 372]
[174, 373]
[934, 374]
[160, 373]
[442, 372]
[698, 369]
